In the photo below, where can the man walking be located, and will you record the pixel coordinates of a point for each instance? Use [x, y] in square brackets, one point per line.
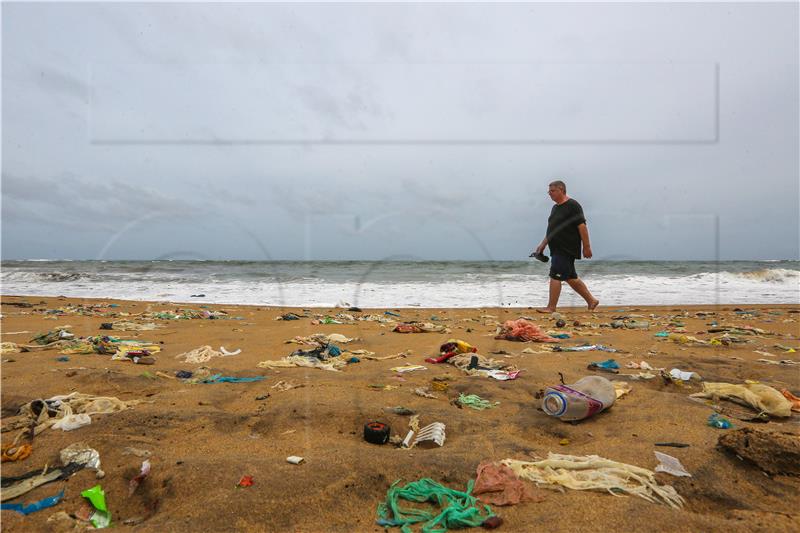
[566, 232]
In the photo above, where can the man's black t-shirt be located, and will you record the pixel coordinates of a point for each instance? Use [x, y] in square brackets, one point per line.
[562, 229]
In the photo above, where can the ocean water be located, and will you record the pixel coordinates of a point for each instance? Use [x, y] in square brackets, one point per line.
[405, 284]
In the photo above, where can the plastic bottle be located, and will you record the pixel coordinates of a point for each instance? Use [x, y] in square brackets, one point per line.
[579, 400]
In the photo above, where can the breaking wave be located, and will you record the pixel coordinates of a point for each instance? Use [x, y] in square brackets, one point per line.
[51, 277]
[769, 274]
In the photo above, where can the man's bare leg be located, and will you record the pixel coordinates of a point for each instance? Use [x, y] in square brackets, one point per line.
[579, 286]
[555, 292]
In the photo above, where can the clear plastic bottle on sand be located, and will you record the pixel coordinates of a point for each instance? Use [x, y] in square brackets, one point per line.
[579, 400]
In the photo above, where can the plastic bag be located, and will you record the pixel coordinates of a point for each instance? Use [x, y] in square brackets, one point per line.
[670, 465]
[70, 422]
[761, 397]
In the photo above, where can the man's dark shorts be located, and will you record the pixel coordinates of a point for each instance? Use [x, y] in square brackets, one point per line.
[562, 267]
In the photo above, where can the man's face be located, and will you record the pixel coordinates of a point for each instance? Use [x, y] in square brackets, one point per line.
[556, 194]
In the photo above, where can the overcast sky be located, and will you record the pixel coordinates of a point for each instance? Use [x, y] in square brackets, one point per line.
[266, 131]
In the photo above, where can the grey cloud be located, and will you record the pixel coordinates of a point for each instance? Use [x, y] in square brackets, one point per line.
[56, 81]
[59, 186]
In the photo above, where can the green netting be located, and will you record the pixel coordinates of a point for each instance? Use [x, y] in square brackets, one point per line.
[476, 402]
[457, 509]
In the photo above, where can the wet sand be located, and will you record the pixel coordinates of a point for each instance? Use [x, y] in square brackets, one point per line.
[204, 437]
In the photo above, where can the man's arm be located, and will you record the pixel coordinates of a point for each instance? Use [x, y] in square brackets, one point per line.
[540, 248]
[587, 247]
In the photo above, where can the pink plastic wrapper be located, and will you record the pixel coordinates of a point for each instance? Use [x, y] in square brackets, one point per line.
[497, 485]
[522, 330]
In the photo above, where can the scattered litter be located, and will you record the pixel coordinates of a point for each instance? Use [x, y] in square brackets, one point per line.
[425, 393]
[476, 402]
[333, 364]
[283, 386]
[295, 460]
[503, 375]
[522, 330]
[621, 388]
[420, 327]
[644, 365]
[219, 378]
[718, 421]
[792, 398]
[683, 375]
[441, 386]
[14, 452]
[609, 365]
[98, 513]
[288, 316]
[432, 432]
[47, 413]
[761, 397]
[531, 350]
[9, 347]
[49, 337]
[13, 487]
[456, 509]
[478, 365]
[81, 453]
[33, 507]
[670, 465]
[498, 485]
[372, 357]
[579, 400]
[786, 362]
[672, 444]
[592, 472]
[134, 483]
[204, 354]
[124, 325]
[376, 432]
[245, 481]
[586, 348]
[379, 386]
[686, 339]
[407, 368]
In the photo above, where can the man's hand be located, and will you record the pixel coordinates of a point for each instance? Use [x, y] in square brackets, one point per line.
[587, 251]
[540, 249]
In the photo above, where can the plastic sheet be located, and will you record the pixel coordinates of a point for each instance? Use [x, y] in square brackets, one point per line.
[33, 507]
[496, 484]
[670, 465]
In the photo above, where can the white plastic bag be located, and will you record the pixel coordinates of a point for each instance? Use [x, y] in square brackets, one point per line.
[70, 422]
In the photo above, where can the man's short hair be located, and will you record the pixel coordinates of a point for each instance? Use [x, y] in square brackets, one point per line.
[560, 184]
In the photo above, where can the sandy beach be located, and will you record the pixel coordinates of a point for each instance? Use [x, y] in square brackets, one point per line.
[202, 438]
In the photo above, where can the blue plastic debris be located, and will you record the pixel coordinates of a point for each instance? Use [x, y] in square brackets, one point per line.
[719, 422]
[608, 363]
[334, 351]
[33, 507]
[219, 378]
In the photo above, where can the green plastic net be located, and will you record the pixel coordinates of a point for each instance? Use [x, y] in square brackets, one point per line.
[476, 402]
[456, 509]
